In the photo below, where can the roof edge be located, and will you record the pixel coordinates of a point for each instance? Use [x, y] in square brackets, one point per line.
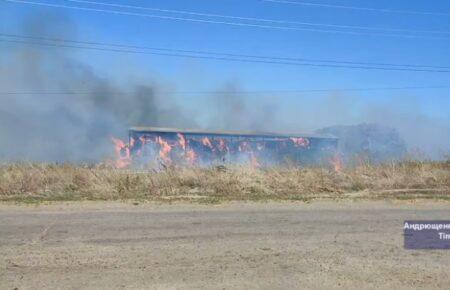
[228, 132]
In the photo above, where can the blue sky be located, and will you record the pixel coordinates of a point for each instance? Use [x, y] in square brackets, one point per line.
[199, 75]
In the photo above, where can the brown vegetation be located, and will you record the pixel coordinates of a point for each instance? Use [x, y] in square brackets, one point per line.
[38, 182]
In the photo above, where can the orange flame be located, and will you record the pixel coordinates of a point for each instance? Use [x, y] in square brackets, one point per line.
[222, 145]
[181, 146]
[337, 163]
[300, 142]
[181, 141]
[191, 156]
[165, 149]
[207, 143]
[122, 151]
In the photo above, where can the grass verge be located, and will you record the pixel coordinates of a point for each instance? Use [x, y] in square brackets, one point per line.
[31, 183]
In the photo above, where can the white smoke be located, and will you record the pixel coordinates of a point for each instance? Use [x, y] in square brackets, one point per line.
[77, 127]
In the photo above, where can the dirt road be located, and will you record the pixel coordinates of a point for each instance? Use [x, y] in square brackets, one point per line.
[323, 245]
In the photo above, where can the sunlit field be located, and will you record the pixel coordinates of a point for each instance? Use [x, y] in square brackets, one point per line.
[396, 180]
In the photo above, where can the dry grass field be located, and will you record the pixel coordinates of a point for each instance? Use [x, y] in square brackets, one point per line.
[51, 182]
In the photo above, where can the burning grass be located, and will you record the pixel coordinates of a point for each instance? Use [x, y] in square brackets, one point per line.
[49, 182]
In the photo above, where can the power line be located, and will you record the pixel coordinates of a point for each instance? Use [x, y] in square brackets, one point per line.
[257, 92]
[290, 59]
[357, 8]
[262, 61]
[238, 24]
[255, 19]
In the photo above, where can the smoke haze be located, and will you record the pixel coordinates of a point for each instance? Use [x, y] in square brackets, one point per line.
[68, 127]
[78, 127]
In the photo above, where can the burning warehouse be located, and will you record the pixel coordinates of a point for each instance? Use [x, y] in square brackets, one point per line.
[153, 147]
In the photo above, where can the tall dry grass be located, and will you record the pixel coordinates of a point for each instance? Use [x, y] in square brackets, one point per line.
[34, 182]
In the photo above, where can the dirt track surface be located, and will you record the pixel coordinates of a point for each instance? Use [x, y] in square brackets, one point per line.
[323, 245]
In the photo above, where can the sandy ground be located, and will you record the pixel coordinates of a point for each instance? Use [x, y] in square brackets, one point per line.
[322, 245]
